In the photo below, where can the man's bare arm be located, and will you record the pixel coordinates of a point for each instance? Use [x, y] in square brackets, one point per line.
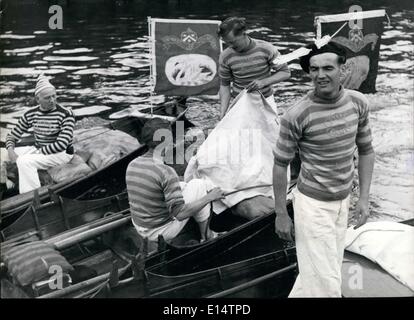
[283, 224]
[365, 169]
[281, 75]
[224, 100]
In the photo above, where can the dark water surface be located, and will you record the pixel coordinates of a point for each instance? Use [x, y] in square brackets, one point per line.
[100, 61]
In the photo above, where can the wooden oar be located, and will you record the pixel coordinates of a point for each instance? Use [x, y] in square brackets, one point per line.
[87, 226]
[87, 234]
[81, 285]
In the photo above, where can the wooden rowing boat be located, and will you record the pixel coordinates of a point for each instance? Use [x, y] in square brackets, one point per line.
[248, 261]
[119, 251]
[257, 266]
[236, 259]
[256, 251]
[104, 183]
[42, 221]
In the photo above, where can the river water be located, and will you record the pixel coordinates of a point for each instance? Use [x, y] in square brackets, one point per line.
[100, 60]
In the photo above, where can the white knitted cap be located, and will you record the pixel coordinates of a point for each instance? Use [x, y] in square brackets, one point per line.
[42, 83]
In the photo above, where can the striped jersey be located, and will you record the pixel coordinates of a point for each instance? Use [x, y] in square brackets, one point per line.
[241, 68]
[327, 133]
[154, 192]
[53, 130]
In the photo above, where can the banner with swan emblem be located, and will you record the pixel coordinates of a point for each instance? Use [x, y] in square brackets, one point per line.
[185, 56]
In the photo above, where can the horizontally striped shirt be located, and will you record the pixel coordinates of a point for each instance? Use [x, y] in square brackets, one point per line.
[327, 133]
[154, 192]
[53, 130]
[241, 68]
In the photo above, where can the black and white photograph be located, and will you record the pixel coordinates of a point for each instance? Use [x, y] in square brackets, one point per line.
[173, 150]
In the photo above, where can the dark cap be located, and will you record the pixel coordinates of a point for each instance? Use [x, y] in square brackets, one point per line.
[149, 129]
[235, 24]
[329, 47]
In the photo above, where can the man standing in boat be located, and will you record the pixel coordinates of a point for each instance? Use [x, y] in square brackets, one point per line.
[247, 63]
[159, 206]
[327, 125]
[52, 127]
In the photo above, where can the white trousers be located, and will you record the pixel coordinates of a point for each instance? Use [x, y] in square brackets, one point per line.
[192, 191]
[28, 163]
[320, 229]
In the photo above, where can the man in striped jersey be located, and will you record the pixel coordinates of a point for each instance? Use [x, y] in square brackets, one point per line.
[247, 63]
[327, 126]
[52, 127]
[160, 204]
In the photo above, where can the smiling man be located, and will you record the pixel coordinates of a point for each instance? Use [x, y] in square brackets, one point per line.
[52, 127]
[327, 125]
[247, 63]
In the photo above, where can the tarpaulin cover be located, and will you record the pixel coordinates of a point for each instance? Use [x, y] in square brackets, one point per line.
[238, 153]
[389, 244]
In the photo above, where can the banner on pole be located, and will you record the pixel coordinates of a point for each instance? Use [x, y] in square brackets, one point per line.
[361, 39]
[185, 55]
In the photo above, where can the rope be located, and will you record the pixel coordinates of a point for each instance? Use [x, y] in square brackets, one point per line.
[94, 135]
[247, 188]
[388, 19]
[337, 31]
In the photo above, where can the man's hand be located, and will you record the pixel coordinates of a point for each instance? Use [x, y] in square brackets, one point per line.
[362, 213]
[216, 194]
[12, 155]
[255, 85]
[284, 227]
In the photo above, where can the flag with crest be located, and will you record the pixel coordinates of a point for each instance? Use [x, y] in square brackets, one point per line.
[361, 38]
[185, 56]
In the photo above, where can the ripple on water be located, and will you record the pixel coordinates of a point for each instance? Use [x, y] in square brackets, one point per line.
[16, 36]
[73, 58]
[134, 63]
[400, 65]
[392, 34]
[38, 62]
[92, 110]
[136, 45]
[28, 72]
[392, 185]
[27, 49]
[103, 72]
[72, 51]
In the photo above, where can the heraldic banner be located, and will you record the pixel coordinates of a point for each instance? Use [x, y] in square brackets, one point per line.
[185, 56]
[361, 38]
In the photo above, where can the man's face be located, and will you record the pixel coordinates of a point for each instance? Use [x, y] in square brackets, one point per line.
[47, 99]
[238, 43]
[325, 72]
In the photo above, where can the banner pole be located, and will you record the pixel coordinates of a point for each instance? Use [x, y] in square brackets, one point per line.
[318, 28]
[151, 50]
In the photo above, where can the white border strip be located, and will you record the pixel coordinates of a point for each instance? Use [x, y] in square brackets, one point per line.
[351, 16]
[153, 66]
